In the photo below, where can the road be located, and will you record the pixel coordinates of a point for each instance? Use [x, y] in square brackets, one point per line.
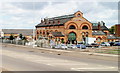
[17, 59]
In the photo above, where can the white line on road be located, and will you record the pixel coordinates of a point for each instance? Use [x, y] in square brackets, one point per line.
[94, 68]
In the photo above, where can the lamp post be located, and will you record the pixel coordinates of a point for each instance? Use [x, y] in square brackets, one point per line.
[33, 29]
[86, 37]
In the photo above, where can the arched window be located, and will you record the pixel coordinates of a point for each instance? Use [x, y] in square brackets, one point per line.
[78, 15]
[47, 33]
[40, 32]
[37, 32]
[53, 22]
[99, 39]
[72, 27]
[85, 27]
[58, 22]
[43, 32]
[49, 22]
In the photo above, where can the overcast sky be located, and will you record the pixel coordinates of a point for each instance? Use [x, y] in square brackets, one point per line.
[28, 14]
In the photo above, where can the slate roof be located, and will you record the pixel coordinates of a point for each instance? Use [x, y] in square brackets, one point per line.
[57, 34]
[111, 37]
[26, 32]
[95, 27]
[102, 28]
[118, 37]
[62, 19]
[98, 33]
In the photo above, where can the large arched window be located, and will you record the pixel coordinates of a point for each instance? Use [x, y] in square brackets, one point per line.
[72, 27]
[85, 27]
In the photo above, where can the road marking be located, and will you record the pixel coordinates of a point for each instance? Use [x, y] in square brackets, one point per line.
[50, 64]
[94, 68]
[68, 64]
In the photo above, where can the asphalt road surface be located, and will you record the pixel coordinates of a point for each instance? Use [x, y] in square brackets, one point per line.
[16, 59]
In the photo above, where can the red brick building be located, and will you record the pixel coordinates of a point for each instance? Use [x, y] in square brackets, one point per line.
[117, 30]
[72, 28]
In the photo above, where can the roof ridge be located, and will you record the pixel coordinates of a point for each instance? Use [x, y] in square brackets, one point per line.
[60, 16]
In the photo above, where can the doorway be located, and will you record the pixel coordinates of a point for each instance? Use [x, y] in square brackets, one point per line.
[72, 38]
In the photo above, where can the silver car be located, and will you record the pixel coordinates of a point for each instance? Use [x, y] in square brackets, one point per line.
[72, 46]
[61, 46]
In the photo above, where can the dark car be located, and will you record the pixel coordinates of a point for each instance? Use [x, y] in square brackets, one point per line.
[95, 45]
[88, 45]
[117, 44]
[81, 46]
[111, 43]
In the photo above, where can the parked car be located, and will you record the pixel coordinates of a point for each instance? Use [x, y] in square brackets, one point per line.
[111, 43]
[72, 46]
[95, 45]
[88, 45]
[105, 44]
[81, 46]
[61, 46]
[57, 46]
[117, 44]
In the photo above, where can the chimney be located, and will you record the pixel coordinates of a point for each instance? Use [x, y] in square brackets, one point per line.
[45, 20]
[103, 24]
[99, 26]
[42, 21]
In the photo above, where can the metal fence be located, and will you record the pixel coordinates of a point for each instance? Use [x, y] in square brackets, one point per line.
[18, 42]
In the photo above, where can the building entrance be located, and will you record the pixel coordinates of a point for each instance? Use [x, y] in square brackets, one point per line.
[72, 38]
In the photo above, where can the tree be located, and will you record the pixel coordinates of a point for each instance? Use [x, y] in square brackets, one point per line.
[11, 37]
[2, 39]
[21, 36]
[24, 38]
[112, 30]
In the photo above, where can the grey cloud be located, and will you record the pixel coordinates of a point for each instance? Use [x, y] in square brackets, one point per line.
[55, 3]
[30, 5]
[111, 5]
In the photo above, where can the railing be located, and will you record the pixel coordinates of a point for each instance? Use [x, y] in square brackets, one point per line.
[18, 42]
